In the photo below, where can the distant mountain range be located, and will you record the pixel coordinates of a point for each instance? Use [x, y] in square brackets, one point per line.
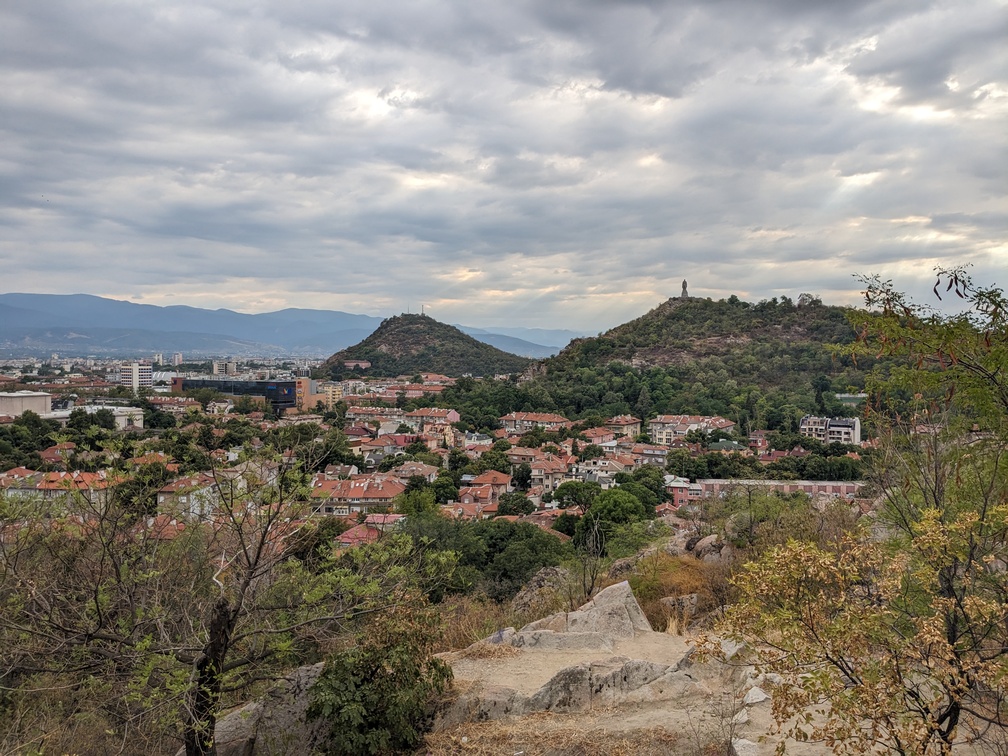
[81, 324]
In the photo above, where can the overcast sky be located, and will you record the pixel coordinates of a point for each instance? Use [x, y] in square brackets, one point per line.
[531, 162]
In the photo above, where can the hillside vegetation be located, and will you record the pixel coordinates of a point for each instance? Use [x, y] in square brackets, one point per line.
[767, 342]
[765, 363]
[409, 344]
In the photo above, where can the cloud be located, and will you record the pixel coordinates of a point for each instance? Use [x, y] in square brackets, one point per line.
[524, 163]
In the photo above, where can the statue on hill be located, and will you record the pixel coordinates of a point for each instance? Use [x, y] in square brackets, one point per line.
[685, 294]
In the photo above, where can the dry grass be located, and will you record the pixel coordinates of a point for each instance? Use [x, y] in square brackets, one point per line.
[659, 575]
[468, 619]
[548, 734]
[677, 622]
[486, 650]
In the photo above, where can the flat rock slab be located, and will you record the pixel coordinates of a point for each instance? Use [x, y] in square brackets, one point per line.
[549, 640]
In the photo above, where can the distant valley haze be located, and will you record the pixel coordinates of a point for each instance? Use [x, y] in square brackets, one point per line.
[81, 324]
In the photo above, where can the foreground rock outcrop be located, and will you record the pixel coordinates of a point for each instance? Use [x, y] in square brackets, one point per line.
[275, 724]
[601, 667]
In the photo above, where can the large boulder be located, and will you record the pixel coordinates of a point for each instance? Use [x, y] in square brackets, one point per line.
[578, 688]
[597, 626]
[707, 546]
[542, 591]
[613, 613]
[275, 724]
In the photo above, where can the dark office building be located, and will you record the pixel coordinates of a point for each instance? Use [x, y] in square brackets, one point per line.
[282, 395]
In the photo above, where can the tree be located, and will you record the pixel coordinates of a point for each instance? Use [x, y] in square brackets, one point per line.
[514, 503]
[79, 419]
[643, 494]
[574, 493]
[515, 552]
[137, 493]
[163, 621]
[494, 460]
[417, 483]
[566, 523]
[416, 501]
[643, 404]
[522, 477]
[105, 418]
[610, 509]
[821, 384]
[444, 488]
[457, 460]
[904, 629]
[651, 477]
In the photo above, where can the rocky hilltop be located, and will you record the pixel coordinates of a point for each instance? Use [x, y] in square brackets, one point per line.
[409, 344]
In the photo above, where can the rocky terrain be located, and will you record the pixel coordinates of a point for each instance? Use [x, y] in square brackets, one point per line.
[601, 678]
[595, 680]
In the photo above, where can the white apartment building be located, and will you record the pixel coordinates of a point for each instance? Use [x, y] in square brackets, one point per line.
[135, 375]
[225, 368]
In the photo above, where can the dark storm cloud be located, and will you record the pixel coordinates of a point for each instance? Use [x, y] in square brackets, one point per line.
[566, 161]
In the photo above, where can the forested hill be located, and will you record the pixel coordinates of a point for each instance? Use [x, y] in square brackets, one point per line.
[409, 344]
[682, 331]
[728, 357]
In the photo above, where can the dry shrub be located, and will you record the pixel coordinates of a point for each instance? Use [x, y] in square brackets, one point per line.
[546, 733]
[659, 575]
[468, 619]
[61, 720]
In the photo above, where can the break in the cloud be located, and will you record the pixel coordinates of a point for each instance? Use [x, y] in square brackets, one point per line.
[563, 163]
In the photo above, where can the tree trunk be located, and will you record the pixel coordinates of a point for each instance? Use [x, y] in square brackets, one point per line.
[204, 693]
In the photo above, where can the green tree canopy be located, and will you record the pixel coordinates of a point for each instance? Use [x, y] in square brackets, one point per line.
[578, 494]
[514, 503]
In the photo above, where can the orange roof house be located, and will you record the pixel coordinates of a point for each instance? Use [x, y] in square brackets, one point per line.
[358, 494]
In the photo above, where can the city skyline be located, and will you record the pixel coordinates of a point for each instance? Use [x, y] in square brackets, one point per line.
[561, 165]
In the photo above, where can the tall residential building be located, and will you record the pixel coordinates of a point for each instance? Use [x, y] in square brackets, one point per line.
[157, 358]
[133, 375]
[176, 359]
[831, 430]
[333, 393]
[225, 368]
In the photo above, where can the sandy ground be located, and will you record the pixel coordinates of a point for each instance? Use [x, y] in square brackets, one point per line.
[528, 670]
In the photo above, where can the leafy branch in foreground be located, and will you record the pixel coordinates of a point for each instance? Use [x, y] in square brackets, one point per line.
[376, 697]
[897, 637]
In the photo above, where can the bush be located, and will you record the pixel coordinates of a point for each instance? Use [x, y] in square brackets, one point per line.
[376, 698]
[659, 575]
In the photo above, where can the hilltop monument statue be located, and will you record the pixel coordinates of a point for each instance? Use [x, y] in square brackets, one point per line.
[684, 295]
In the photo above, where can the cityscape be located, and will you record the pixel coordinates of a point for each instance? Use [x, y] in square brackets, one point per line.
[531, 378]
